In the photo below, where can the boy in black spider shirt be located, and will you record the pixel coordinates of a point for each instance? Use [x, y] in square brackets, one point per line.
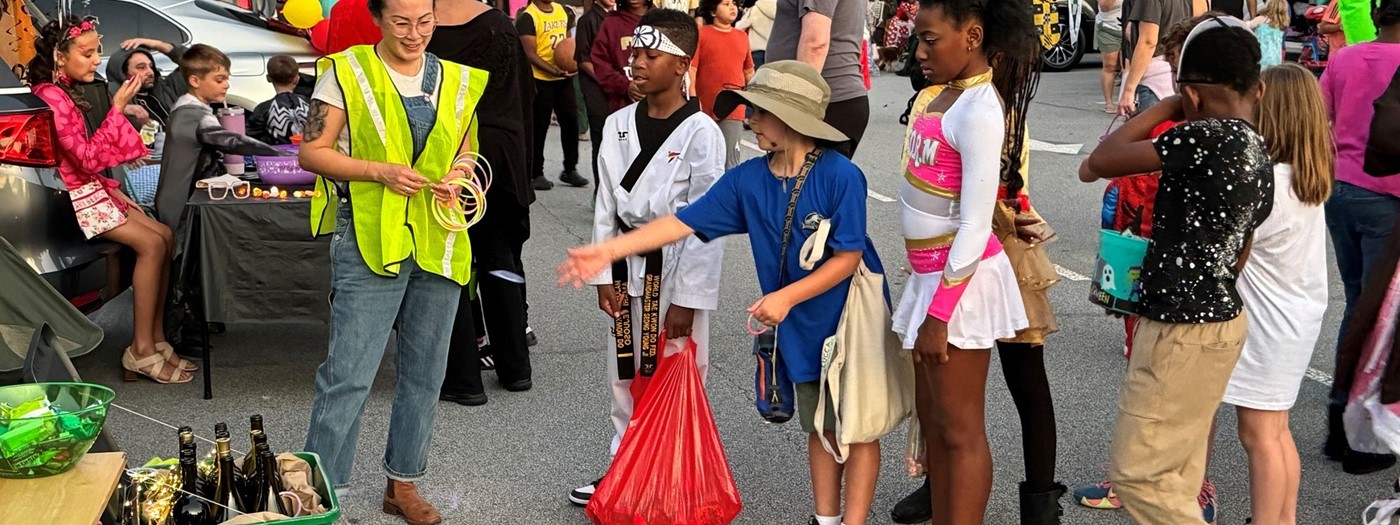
[1215, 189]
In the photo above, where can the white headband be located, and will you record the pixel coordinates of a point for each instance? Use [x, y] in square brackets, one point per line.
[1213, 22]
[648, 37]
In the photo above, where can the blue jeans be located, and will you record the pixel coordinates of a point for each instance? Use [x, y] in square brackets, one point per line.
[365, 307]
[1146, 98]
[1360, 222]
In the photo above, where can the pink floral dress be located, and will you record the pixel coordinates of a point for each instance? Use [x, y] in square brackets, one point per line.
[97, 199]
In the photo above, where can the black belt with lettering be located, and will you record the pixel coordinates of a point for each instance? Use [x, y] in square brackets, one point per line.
[651, 314]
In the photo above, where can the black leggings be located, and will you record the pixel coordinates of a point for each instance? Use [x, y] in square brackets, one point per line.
[1023, 366]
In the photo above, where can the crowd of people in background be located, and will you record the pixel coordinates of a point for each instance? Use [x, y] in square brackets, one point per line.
[1244, 165]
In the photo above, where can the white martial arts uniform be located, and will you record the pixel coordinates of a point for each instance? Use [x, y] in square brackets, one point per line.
[689, 161]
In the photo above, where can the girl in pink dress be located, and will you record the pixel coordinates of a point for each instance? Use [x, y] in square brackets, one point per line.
[962, 295]
[67, 54]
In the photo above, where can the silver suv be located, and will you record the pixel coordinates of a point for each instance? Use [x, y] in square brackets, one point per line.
[248, 36]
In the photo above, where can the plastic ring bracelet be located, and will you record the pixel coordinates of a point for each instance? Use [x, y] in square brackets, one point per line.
[748, 325]
[454, 215]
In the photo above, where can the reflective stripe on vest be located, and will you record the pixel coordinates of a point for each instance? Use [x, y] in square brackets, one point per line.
[389, 227]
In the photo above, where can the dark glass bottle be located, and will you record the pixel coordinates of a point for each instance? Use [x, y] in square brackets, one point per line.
[226, 495]
[255, 430]
[249, 475]
[269, 482]
[189, 509]
[187, 444]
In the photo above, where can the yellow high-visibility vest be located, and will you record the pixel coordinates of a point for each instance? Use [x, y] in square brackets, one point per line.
[389, 227]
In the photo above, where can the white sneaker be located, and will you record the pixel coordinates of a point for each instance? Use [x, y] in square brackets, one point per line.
[581, 495]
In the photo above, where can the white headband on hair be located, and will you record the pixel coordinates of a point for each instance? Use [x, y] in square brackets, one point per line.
[648, 37]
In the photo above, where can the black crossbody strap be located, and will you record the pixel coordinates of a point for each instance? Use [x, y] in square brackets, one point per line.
[800, 181]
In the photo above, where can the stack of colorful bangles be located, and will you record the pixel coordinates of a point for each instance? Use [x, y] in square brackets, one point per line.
[471, 201]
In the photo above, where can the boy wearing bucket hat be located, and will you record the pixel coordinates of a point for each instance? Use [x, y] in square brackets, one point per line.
[657, 155]
[1216, 187]
[800, 185]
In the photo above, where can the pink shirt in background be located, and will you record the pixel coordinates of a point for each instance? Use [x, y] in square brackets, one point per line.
[1355, 76]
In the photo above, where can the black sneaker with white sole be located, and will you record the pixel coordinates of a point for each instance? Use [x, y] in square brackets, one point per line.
[572, 178]
[530, 339]
[581, 495]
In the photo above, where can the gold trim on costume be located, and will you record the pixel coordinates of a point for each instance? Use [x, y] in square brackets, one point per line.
[929, 188]
[931, 242]
[955, 282]
[965, 84]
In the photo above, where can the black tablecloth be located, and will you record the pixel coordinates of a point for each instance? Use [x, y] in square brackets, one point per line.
[258, 261]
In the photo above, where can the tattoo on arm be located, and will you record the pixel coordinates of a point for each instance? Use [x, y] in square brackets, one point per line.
[316, 122]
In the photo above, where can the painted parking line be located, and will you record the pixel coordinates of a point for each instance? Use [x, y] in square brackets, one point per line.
[1070, 274]
[1314, 374]
[1063, 149]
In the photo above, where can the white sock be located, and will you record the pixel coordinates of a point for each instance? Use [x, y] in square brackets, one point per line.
[828, 520]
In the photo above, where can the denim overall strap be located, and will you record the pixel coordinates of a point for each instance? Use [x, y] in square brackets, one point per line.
[420, 110]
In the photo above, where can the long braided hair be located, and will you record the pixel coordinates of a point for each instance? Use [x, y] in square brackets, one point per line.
[1012, 45]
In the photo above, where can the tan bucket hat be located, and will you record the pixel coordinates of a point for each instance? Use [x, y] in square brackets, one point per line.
[793, 91]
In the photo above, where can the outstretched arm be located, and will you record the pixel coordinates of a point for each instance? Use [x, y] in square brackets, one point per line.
[585, 262]
[211, 134]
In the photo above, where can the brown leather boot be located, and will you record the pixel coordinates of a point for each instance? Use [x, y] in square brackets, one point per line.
[401, 499]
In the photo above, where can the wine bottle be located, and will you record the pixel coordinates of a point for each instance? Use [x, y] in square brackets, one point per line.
[189, 509]
[255, 429]
[249, 475]
[220, 430]
[187, 446]
[226, 496]
[270, 482]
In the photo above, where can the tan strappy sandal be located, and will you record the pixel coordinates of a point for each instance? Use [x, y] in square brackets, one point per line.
[166, 350]
[150, 366]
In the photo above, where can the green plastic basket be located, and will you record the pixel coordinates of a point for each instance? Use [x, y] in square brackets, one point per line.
[327, 492]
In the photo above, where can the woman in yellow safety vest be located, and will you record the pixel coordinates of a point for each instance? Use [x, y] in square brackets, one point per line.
[388, 122]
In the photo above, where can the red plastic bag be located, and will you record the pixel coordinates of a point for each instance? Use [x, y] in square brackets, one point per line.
[671, 468]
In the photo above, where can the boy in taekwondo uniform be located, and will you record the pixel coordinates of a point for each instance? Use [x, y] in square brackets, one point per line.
[657, 156]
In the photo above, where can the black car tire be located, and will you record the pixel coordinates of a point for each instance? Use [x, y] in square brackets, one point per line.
[1065, 56]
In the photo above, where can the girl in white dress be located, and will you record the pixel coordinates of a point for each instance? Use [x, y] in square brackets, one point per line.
[1284, 289]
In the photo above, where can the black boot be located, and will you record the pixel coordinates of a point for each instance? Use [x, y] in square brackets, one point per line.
[1336, 448]
[1042, 508]
[917, 507]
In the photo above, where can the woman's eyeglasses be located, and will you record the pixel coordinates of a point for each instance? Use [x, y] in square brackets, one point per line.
[221, 190]
[423, 27]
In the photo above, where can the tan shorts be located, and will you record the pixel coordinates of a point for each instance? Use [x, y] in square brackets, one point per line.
[1176, 378]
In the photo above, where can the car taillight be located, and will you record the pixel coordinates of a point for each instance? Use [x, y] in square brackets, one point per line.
[85, 299]
[28, 139]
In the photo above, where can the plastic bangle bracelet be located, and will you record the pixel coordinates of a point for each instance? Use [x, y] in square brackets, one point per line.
[453, 215]
[748, 325]
[469, 162]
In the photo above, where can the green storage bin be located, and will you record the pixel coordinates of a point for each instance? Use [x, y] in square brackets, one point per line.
[328, 498]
